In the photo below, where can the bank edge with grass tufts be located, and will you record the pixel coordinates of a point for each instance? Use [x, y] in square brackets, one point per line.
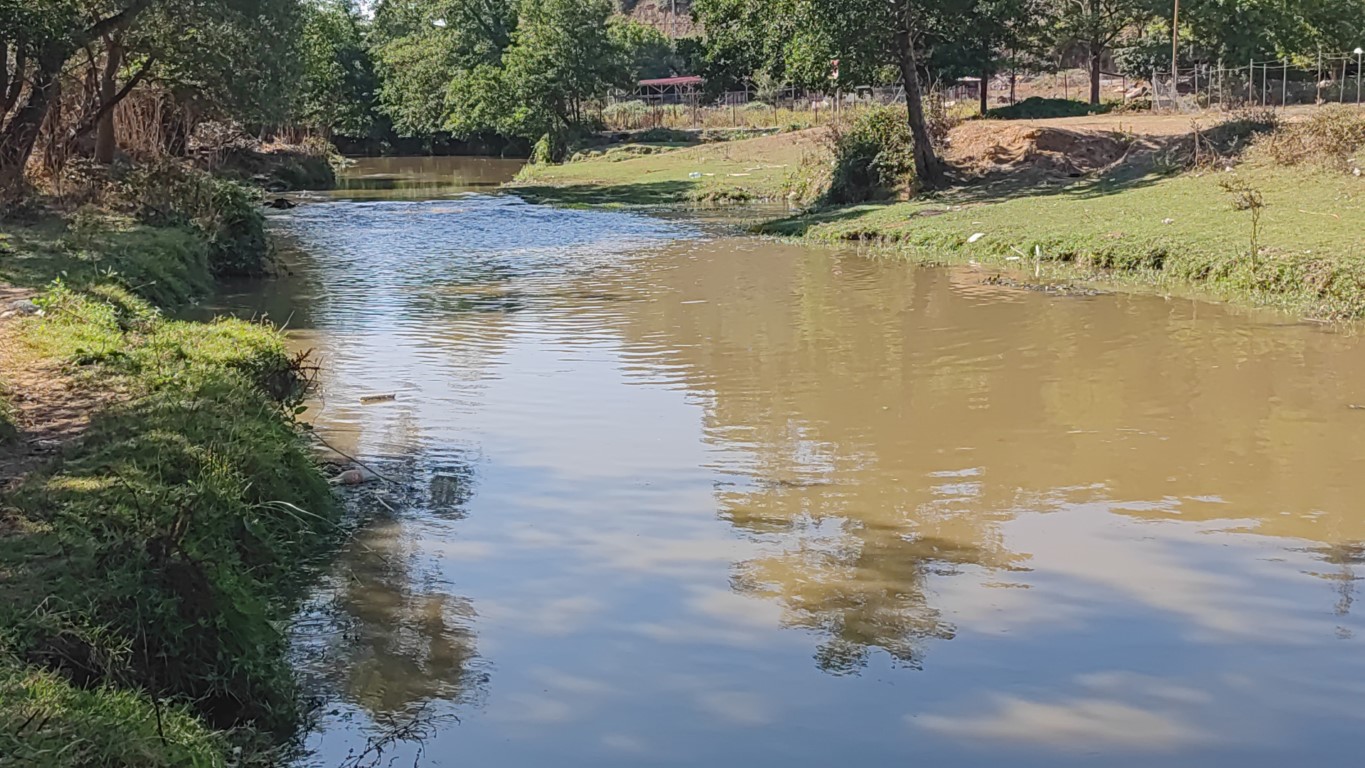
[146, 572]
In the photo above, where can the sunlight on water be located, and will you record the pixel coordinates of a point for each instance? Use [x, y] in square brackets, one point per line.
[682, 498]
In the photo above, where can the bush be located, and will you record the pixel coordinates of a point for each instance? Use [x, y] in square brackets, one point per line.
[873, 157]
[225, 212]
[548, 151]
[1331, 138]
[625, 114]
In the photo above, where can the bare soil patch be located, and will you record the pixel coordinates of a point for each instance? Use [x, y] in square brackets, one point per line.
[52, 405]
[990, 148]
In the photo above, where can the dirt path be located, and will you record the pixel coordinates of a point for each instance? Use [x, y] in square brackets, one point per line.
[1149, 124]
[51, 405]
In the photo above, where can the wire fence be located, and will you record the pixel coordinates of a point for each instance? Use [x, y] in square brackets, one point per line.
[1275, 84]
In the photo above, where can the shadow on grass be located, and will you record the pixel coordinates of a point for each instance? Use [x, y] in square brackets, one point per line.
[980, 191]
[166, 265]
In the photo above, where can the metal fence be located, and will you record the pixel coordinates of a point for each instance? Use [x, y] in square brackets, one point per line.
[1275, 84]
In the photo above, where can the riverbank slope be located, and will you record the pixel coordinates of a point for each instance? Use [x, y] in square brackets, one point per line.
[159, 506]
[1254, 210]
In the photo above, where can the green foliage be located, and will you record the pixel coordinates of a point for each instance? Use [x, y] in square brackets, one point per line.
[339, 82]
[873, 157]
[562, 57]
[225, 213]
[549, 149]
[233, 59]
[162, 554]
[648, 52]
[424, 48]
[517, 68]
[47, 721]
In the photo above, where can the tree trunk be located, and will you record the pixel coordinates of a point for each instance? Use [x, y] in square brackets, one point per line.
[106, 143]
[985, 90]
[1096, 54]
[16, 143]
[928, 167]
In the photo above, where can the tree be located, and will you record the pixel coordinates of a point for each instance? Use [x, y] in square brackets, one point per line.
[989, 40]
[519, 68]
[868, 35]
[744, 37]
[235, 56]
[422, 47]
[1096, 25]
[339, 81]
[649, 53]
[39, 38]
[562, 56]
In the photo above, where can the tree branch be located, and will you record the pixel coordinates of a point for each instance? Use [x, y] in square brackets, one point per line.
[87, 125]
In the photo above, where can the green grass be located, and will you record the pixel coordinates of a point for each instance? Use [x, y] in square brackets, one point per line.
[162, 553]
[45, 720]
[768, 168]
[1165, 231]
[166, 265]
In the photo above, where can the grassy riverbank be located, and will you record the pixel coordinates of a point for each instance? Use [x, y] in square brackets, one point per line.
[1147, 220]
[768, 168]
[163, 506]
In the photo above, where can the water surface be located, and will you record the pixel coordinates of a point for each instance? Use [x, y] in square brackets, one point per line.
[679, 497]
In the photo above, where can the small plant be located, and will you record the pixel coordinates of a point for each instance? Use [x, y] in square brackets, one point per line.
[1248, 198]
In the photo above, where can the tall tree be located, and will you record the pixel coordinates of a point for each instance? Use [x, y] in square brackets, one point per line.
[1096, 25]
[562, 57]
[339, 82]
[866, 35]
[422, 47]
[41, 36]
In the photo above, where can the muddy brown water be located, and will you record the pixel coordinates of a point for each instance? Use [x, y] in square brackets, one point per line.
[681, 497]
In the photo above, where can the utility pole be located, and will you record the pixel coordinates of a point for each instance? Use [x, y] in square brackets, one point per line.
[1175, 51]
[1359, 53]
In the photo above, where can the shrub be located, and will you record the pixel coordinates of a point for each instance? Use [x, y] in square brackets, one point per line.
[225, 212]
[873, 156]
[548, 151]
[625, 114]
[1331, 137]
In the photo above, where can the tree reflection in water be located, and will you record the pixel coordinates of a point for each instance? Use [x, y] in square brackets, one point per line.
[399, 640]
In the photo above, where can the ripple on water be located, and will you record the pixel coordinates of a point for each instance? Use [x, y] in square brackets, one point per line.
[681, 498]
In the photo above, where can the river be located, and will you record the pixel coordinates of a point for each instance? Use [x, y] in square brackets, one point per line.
[681, 497]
